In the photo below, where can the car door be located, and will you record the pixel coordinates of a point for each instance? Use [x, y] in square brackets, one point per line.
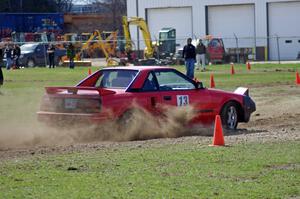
[40, 55]
[149, 95]
[177, 90]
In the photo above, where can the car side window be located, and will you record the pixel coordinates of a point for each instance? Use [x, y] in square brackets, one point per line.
[170, 80]
[150, 83]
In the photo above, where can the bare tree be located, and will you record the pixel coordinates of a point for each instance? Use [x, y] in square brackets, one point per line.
[64, 5]
[117, 8]
[40, 6]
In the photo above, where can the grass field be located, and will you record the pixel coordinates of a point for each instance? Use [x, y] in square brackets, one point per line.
[260, 74]
[172, 171]
[182, 170]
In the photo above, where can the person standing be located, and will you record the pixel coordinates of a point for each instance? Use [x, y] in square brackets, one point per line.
[16, 55]
[71, 55]
[8, 56]
[1, 63]
[189, 54]
[200, 55]
[51, 55]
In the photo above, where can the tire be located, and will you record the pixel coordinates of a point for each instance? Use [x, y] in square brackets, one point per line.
[229, 116]
[126, 118]
[30, 63]
[130, 125]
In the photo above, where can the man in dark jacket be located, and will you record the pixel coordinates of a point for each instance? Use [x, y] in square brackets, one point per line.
[16, 55]
[189, 54]
[51, 55]
[71, 55]
[8, 56]
[1, 63]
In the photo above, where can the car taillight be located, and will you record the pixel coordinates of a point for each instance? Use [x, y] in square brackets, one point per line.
[51, 104]
[70, 105]
[88, 105]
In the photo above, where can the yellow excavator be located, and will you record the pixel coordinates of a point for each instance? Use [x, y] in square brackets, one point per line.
[104, 46]
[142, 25]
[157, 52]
[109, 41]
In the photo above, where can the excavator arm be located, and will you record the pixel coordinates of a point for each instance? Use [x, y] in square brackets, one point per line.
[96, 36]
[142, 25]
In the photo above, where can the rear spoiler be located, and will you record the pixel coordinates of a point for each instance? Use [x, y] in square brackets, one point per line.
[74, 90]
[242, 91]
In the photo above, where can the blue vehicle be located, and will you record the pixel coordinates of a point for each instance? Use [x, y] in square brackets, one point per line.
[35, 54]
[30, 23]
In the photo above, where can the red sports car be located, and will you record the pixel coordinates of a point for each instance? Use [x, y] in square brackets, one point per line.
[112, 93]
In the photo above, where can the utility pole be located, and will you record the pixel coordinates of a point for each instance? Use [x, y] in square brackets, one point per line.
[137, 29]
[21, 5]
[9, 6]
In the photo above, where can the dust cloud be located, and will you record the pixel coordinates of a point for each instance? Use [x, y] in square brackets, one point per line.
[137, 125]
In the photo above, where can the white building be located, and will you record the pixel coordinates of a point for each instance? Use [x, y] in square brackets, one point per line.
[252, 21]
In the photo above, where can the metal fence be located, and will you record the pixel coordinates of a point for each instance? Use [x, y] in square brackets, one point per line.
[219, 50]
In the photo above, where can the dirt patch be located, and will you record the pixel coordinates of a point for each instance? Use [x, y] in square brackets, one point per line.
[137, 125]
[276, 119]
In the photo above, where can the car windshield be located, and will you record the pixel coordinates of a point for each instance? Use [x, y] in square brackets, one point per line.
[116, 78]
[170, 80]
[28, 47]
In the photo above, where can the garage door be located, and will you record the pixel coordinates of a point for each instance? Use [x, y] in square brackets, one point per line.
[230, 21]
[178, 18]
[284, 22]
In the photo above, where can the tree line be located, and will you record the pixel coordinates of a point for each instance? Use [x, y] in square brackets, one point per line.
[115, 7]
[40, 6]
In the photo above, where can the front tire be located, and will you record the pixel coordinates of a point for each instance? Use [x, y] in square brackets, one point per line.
[229, 116]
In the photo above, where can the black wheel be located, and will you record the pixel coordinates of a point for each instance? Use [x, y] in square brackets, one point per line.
[132, 125]
[30, 63]
[229, 116]
[126, 119]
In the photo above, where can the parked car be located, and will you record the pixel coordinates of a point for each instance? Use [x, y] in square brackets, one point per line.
[111, 94]
[35, 54]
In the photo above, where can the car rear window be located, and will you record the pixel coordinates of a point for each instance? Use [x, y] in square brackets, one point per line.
[116, 78]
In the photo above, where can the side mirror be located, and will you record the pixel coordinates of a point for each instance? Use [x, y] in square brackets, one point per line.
[199, 85]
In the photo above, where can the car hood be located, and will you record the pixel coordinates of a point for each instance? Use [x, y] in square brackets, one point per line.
[237, 94]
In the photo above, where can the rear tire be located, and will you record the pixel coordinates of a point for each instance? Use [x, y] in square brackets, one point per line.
[30, 63]
[131, 125]
[126, 119]
[229, 116]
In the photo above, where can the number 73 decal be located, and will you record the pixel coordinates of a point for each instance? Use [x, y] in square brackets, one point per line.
[182, 100]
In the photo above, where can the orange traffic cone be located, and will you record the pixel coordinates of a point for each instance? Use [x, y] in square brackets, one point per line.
[90, 71]
[218, 139]
[297, 78]
[212, 81]
[232, 69]
[248, 66]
